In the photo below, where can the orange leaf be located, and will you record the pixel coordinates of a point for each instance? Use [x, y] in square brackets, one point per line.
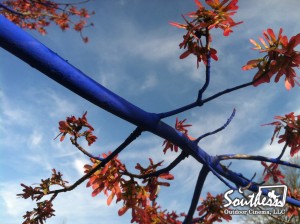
[271, 34]
[258, 47]
[92, 180]
[122, 210]
[166, 176]
[199, 4]
[178, 25]
[251, 64]
[263, 42]
[96, 192]
[288, 84]
[110, 198]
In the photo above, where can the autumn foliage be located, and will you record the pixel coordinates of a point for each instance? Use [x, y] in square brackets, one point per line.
[39, 14]
[137, 191]
[44, 209]
[119, 185]
[291, 136]
[201, 22]
[281, 58]
[212, 209]
[116, 182]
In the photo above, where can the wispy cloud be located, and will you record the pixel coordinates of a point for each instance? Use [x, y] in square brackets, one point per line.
[36, 138]
[11, 204]
[78, 165]
[13, 114]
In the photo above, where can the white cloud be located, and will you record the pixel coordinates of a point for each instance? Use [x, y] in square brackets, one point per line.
[14, 207]
[58, 105]
[78, 165]
[35, 138]
[150, 82]
[12, 112]
[156, 47]
[39, 160]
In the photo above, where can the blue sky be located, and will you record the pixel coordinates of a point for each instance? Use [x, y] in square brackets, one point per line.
[134, 52]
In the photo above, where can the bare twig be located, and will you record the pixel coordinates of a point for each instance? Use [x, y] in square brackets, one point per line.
[219, 129]
[199, 185]
[257, 158]
[74, 142]
[283, 151]
[202, 102]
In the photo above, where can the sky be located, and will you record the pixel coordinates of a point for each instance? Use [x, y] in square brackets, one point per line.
[133, 51]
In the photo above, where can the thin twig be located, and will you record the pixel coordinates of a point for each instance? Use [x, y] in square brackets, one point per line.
[267, 69]
[207, 68]
[257, 158]
[283, 150]
[219, 129]
[221, 178]
[202, 102]
[10, 10]
[74, 142]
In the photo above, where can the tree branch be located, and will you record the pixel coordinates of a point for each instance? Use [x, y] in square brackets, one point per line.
[200, 103]
[130, 139]
[283, 150]
[31, 51]
[197, 192]
[257, 158]
[267, 69]
[10, 10]
[207, 67]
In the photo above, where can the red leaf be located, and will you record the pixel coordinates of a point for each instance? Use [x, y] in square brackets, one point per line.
[96, 192]
[179, 25]
[198, 3]
[166, 176]
[110, 198]
[185, 54]
[122, 210]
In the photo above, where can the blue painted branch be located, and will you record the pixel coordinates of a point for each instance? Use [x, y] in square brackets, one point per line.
[239, 181]
[197, 192]
[207, 78]
[219, 129]
[257, 158]
[31, 51]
